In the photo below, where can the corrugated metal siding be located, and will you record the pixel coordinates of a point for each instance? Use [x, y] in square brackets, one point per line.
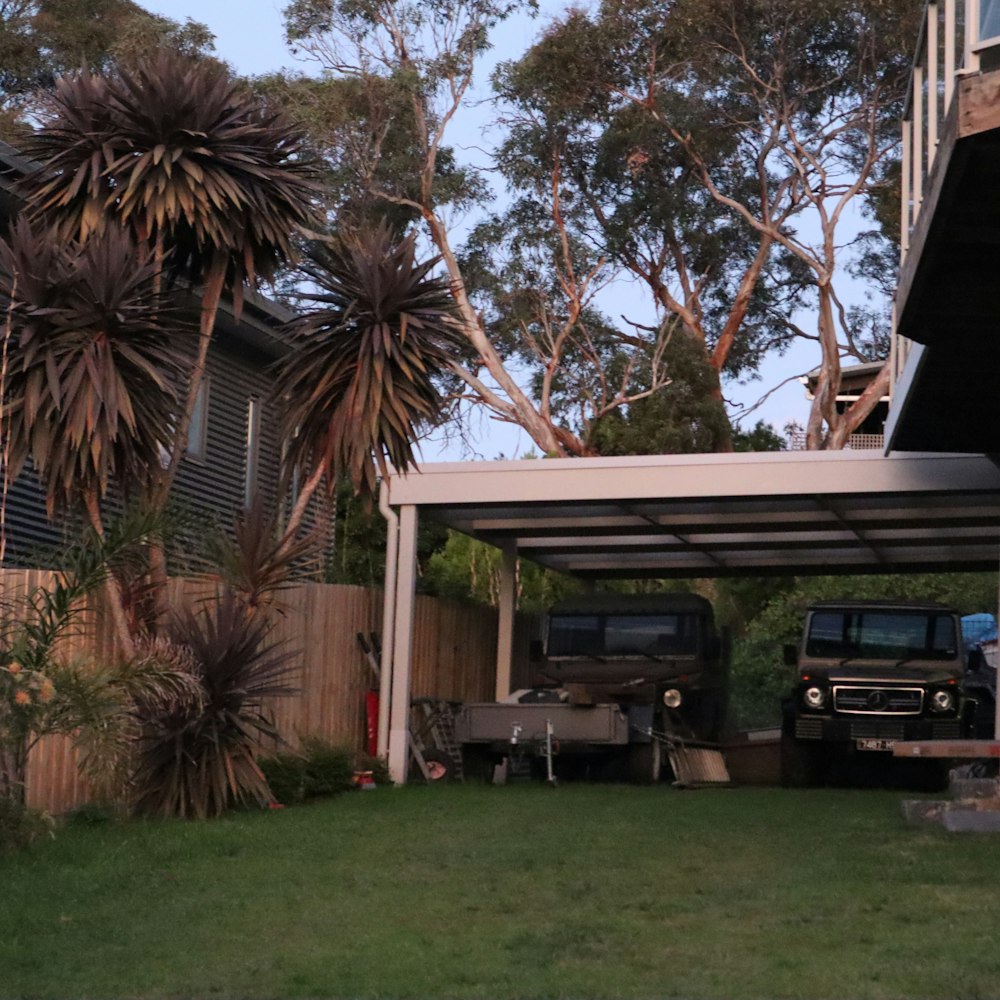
[454, 657]
[212, 489]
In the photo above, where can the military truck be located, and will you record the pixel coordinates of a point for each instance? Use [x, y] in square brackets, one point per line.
[871, 673]
[614, 672]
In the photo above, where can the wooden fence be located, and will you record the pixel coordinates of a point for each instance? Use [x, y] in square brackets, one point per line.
[454, 657]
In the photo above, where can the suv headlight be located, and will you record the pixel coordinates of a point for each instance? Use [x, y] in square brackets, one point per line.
[942, 701]
[815, 696]
[672, 698]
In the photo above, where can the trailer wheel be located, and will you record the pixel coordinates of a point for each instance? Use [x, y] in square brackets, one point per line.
[440, 767]
[645, 762]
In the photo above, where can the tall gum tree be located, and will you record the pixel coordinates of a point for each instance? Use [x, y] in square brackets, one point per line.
[721, 152]
[423, 57]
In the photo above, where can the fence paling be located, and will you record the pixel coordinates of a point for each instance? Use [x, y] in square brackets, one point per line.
[454, 657]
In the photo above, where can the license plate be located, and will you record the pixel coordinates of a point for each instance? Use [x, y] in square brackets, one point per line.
[885, 745]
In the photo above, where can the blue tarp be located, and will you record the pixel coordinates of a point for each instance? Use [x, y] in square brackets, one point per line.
[978, 628]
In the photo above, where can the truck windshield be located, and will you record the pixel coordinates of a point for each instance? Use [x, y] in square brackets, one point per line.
[882, 635]
[623, 635]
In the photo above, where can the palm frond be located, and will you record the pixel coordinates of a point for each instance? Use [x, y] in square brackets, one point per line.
[92, 362]
[181, 152]
[359, 384]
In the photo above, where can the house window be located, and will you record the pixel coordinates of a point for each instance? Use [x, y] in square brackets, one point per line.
[197, 445]
[252, 466]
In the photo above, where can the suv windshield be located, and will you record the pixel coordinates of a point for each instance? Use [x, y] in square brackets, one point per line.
[623, 635]
[882, 635]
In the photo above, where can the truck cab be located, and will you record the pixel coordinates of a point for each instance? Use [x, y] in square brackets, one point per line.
[871, 673]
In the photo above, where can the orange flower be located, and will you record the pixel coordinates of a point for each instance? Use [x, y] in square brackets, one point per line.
[22, 698]
[14, 668]
[46, 691]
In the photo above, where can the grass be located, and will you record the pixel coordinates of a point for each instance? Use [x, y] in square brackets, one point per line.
[521, 892]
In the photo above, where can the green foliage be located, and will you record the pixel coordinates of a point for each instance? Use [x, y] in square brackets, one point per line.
[329, 768]
[196, 759]
[681, 419]
[92, 359]
[20, 827]
[319, 769]
[760, 437]
[40, 39]
[285, 776]
[466, 569]
[359, 383]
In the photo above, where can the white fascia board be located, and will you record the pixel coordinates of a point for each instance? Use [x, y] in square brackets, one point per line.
[746, 475]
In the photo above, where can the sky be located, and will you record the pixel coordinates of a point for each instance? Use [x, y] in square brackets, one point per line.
[249, 35]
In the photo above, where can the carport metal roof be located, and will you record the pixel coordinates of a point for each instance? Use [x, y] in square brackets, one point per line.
[682, 516]
[721, 515]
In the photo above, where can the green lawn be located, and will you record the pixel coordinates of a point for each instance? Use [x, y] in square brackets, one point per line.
[519, 892]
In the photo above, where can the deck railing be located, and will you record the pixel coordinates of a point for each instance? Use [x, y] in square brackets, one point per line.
[952, 36]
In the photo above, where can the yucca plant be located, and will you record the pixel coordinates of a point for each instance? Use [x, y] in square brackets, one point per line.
[92, 358]
[199, 759]
[359, 384]
[192, 161]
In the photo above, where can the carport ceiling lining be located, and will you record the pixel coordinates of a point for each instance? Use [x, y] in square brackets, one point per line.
[723, 515]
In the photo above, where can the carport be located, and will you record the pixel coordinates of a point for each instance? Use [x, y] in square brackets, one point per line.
[682, 516]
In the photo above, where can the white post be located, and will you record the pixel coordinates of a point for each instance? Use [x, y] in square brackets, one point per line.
[932, 83]
[388, 616]
[917, 152]
[402, 640]
[949, 52]
[906, 214]
[505, 623]
[970, 58]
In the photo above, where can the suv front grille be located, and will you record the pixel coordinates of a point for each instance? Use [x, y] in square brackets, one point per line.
[878, 700]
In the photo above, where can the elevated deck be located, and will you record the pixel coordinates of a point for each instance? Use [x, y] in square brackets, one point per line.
[948, 295]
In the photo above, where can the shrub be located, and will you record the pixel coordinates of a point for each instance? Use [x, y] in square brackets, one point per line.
[329, 768]
[285, 774]
[20, 827]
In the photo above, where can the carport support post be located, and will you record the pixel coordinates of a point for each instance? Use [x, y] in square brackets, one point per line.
[505, 623]
[402, 643]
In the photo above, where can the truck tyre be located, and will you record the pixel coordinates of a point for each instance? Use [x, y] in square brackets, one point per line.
[645, 762]
[802, 765]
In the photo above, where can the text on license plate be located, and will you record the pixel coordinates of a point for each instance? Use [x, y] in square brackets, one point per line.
[876, 744]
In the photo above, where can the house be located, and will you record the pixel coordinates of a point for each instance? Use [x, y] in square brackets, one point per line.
[234, 449]
[854, 379]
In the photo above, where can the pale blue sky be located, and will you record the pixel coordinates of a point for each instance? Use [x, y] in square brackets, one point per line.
[250, 36]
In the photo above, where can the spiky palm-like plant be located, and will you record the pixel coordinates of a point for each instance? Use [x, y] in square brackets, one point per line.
[192, 161]
[91, 362]
[198, 760]
[359, 384]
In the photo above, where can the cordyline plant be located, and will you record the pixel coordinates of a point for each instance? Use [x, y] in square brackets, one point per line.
[199, 759]
[358, 386]
[204, 174]
[93, 355]
[91, 358]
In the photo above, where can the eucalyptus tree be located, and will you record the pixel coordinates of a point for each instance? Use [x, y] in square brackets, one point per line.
[723, 153]
[407, 69]
[203, 172]
[41, 39]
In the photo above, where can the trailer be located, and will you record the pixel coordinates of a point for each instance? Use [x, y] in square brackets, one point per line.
[621, 678]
